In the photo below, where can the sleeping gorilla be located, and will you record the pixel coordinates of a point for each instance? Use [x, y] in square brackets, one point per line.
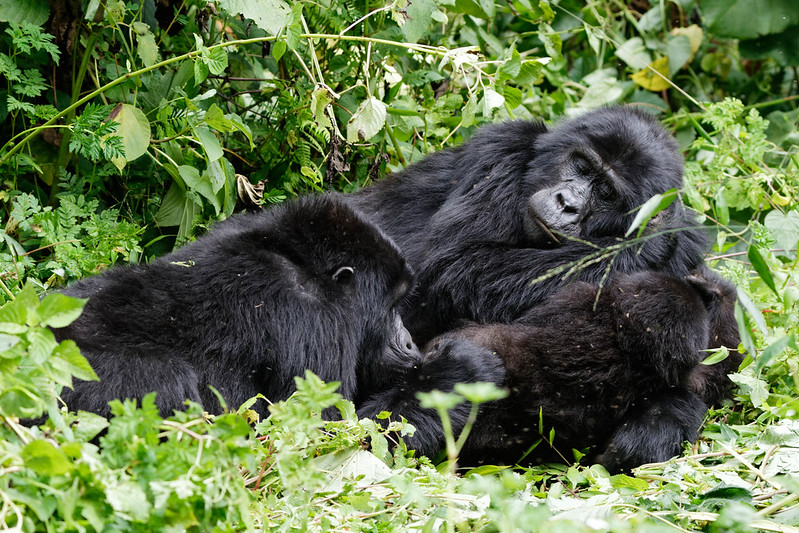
[256, 301]
[618, 373]
[480, 224]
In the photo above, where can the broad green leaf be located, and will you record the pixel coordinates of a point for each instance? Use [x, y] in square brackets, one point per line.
[78, 365]
[35, 12]
[594, 35]
[20, 402]
[530, 72]
[269, 15]
[146, 47]
[511, 68]
[491, 100]
[436, 399]
[755, 387]
[216, 60]
[747, 19]
[134, 128]
[718, 355]
[762, 269]
[41, 343]
[278, 49]
[634, 53]
[320, 99]
[200, 184]
[172, 206]
[679, 52]
[483, 9]
[418, 19]
[367, 121]
[216, 119]
[649, 209]
[621, 481]
[45, 459]
[209, 142]
[7, 342]
[784, 227]
[128, 497]
[58, 310]
[480, 392]
[774, 349]
[513, 97]
[753, 311]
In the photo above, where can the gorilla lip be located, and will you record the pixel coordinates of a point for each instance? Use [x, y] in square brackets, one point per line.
[546, 229]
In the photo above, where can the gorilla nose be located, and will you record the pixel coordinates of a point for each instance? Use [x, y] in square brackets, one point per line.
[407, 341]
[568, 201]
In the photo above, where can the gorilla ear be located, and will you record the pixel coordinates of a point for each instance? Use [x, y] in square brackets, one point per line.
[343, 275]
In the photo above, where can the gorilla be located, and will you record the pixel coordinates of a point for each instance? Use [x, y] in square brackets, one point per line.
[496, 225]
[262, 297]
[614, 368]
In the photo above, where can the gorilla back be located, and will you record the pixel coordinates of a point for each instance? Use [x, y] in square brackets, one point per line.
[258, 300]
[486, 225]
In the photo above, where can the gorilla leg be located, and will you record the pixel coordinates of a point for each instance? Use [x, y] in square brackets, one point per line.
[656, 432]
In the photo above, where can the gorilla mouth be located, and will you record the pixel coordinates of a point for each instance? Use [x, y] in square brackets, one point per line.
[546, 230]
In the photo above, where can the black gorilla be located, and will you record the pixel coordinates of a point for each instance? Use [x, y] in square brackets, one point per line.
[481, 223]
[616, 372]
[258, 300]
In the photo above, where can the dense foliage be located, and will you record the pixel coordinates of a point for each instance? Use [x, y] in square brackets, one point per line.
[127, 128]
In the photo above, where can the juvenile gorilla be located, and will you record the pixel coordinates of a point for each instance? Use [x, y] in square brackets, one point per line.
[252, 304]
[481, 224]
[618, 373]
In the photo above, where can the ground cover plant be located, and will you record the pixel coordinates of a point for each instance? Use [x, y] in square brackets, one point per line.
[127, 128]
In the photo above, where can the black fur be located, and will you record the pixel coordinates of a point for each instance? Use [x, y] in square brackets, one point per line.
[469, 219]
[309, 285]
[617, 374]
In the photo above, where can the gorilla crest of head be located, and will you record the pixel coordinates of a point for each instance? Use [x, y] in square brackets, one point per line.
[586, 166]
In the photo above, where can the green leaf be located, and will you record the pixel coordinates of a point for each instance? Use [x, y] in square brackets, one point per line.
[7, 342]
[269, 15]
[784, 227]
[367, 121]
[437, 399]
[744, 330]
[134, 129]
[649, 209]
[209, 142]
[747, 19]
[216, 60]
[418, 19]
[34, 12]
[774, 349]
[76, 363]
[45, 459]
[480, 392]
[718, 355]
[634, 53]
[762, 269]
[200, 184]
[58, 310]
[279, 49]
[20, 402]
[621, 481]
[146, 47]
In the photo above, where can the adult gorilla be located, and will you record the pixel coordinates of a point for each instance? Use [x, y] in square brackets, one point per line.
[260, 299]
[482, 223]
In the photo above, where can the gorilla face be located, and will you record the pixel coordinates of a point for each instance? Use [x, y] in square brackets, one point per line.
[592, 173]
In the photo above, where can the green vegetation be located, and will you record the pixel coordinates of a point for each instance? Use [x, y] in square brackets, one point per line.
[127, 128]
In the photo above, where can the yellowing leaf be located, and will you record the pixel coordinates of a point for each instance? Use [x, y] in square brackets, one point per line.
[650, 80]
[695, 36]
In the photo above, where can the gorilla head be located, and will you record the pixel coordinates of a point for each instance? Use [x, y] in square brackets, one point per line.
[591, 173]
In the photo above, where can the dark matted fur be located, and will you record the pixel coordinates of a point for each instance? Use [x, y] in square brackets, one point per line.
[459, 215]
[619, 374]
[255, 302]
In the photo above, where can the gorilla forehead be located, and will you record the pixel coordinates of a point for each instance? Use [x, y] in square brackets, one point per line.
[629, 142]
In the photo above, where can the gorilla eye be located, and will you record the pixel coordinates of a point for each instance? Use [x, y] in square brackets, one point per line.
[343, 275]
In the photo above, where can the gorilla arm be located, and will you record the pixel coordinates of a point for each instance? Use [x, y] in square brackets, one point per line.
[453, 361]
